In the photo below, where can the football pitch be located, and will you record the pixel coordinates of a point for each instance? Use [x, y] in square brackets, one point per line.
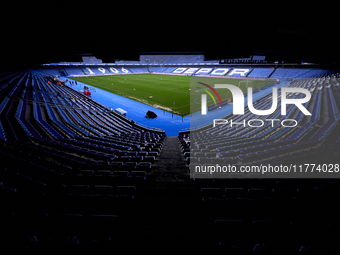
[167, 92]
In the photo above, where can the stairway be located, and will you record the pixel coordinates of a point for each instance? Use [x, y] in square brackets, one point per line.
[171, 166]
[270, 75]
[170, 179]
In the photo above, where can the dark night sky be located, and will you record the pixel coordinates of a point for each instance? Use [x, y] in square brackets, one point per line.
[33, 34]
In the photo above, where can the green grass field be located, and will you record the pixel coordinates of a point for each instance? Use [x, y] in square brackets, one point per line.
[161, 91]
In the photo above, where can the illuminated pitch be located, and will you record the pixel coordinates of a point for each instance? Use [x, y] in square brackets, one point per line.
[167, 92]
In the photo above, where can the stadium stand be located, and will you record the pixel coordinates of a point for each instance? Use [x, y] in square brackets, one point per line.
[92, 60]
[261, 72]
[76, 176]
[173, 59]
[331, 112]
[314, 141]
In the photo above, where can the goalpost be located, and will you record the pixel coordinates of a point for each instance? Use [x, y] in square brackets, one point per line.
[244, 84]
[197, 97]
[247, 83]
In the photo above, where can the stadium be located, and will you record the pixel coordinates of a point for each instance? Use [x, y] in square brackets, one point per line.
[198, 151]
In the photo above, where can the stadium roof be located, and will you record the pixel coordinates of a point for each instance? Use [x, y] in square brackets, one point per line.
[34, 35]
